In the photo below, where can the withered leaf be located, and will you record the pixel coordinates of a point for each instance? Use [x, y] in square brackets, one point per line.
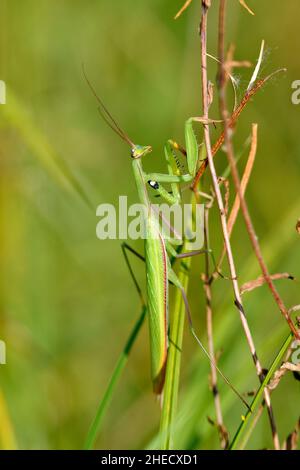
[248, 286]
[243, 3]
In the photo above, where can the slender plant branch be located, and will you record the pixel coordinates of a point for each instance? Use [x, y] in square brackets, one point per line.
[258, 396]
[107, 397]
[250, 226]
[231, 160]
[261, 408]
[171, 387]
[223, 435]
[244, 183]
[231, 123]
[244, 206]
[252, 426]
[245, 179]
[238, 299]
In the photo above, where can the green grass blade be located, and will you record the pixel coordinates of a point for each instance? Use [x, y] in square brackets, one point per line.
[173, 365]
[258, 396]
[274, 246]
[107, 397]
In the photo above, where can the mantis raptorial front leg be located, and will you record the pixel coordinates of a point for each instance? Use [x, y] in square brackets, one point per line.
[174, 177]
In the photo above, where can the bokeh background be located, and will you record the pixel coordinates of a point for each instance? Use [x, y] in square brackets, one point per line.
[67, 301]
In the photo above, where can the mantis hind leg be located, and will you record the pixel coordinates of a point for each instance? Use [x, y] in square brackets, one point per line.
[200, 252]
[125, 249]
[174, 279]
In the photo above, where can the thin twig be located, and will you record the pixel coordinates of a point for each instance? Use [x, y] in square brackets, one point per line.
[260, 281]
[238, 299]
[232, 121]
[182, 9]
[271, 386]
[245, 179]
[252, 426]
[244, 208]
[223, 435]
[257, 398]
[232, 163]
[236, 205]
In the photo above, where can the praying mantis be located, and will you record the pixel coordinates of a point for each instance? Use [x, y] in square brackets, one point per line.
[159, 271]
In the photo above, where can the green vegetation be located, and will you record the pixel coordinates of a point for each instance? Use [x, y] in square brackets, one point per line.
[68, 305]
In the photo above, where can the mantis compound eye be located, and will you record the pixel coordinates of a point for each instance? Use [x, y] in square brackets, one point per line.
[153, 184]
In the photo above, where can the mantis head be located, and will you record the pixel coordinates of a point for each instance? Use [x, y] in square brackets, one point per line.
[138, 151]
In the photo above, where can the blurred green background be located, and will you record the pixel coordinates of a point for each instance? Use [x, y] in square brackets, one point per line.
[67, 301]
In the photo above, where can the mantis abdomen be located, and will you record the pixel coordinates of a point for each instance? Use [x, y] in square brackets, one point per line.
[157, 294]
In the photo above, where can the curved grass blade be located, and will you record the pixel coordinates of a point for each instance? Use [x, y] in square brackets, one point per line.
[107, 397]
[173, 365]
[168, 413]
[258, 397]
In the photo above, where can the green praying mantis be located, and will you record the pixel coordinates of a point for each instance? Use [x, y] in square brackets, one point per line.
[158, 250]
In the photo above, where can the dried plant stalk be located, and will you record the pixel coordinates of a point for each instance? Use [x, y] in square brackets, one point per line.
[223, 434]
